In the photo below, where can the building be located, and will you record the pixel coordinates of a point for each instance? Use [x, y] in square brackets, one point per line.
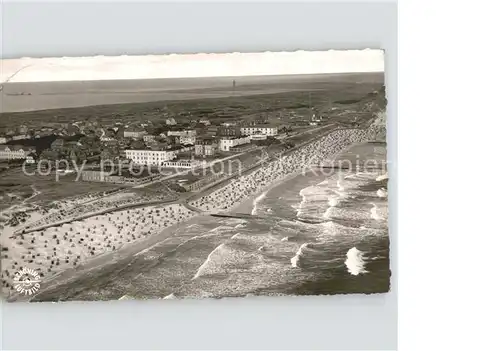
[170, 122]
[5, 139]
[204, 121]
[100, 176]
[226, 143]
[206, 147]
[148, 138]
[211, 131]
[258, 137]
[183, 163]
[20, 137]
[267, 130]
[179, 133]
[150, 157]
[134, 132]
[187, 139]
[23, 129]
[15, 152]
[231, 131]
[31, 158]
[181, 149]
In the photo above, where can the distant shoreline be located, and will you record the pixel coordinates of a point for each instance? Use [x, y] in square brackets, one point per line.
[19, 97]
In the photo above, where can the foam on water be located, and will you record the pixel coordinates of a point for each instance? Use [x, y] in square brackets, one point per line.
[382, 192]
[374, 213]
[195, 238]
[256, 202]
[200, 270]
[295, 259]
[126, 297]
[382, 177]
[355, 261]
[235, 235]
[340, 186]
[220, 229]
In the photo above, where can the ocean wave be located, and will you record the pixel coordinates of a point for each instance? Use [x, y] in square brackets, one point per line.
[340, 186]
[295, 259]
[221, 229]
[170, 297]
[374, 213]
[195, 238]
[256, 202]
[355, 261]
[235, 236]
[126, 297]
[227, 258]
[382, 177]
[206, 263]
[382, 192]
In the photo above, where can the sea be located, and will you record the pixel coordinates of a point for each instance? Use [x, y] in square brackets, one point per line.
[320, 232]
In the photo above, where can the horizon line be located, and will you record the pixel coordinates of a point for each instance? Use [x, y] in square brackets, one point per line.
[200, 65]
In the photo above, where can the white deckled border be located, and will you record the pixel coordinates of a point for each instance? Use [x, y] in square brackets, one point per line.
[188, 66]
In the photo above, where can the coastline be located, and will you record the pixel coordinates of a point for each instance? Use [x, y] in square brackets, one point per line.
[247, 204]
[127, 251]
[124, 253]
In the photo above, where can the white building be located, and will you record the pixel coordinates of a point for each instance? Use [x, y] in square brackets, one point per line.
[30, 159]
[149, 157]
[226, 143]
[180, 133]
[15, 152]
[133, 133]
[258, 137]
[183, 163]
[265, 129]
[187, 139]
[205, 121]
[148, 138]
[206, 147]
[170, 122]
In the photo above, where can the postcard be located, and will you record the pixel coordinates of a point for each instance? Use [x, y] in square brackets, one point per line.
[192, 176]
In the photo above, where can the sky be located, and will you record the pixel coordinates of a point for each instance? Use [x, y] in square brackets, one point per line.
[194, 65]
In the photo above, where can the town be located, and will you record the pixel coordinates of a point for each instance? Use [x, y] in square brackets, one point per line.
[166, 139]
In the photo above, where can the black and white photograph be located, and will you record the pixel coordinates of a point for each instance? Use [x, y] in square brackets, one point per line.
[194, 176]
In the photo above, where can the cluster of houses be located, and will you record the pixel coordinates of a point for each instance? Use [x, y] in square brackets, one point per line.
[17, 152]
[189, 143]
[141, 143]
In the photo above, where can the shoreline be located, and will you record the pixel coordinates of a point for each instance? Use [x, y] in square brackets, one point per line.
[246, 206]
[129, 250]
[124, 253]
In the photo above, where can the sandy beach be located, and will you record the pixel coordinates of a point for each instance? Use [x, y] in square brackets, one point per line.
[72, 245]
